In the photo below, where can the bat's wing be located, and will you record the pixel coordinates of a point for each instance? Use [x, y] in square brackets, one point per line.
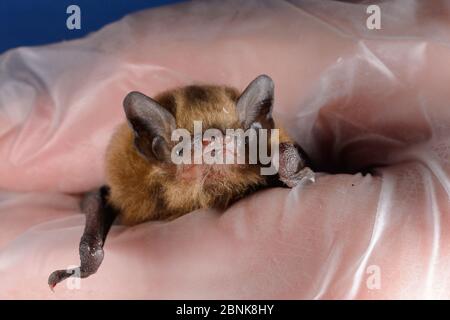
[99, 218]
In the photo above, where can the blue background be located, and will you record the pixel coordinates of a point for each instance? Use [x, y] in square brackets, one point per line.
[35, 22]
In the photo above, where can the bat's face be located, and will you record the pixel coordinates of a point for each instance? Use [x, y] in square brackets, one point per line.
[205, 139]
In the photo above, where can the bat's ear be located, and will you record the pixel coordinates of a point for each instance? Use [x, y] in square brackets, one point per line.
[256, 102]
[152, 125]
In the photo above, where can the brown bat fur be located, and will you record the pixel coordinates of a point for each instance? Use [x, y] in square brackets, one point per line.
[144, 188]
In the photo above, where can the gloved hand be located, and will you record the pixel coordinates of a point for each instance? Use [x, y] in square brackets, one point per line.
[370, 107]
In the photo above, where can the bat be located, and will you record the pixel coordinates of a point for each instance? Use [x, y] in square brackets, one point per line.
[144, 183]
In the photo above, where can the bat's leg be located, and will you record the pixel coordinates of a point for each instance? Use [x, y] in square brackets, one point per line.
[99, 218]
[293, 169]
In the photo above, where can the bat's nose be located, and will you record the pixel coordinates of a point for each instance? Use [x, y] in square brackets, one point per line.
[206, 143]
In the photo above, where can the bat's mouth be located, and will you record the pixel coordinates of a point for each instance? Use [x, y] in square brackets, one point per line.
[207, 172]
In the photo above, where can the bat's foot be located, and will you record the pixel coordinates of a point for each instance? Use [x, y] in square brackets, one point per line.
[293, 170]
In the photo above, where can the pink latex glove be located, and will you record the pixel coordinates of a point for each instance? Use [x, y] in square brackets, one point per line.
[354, 98]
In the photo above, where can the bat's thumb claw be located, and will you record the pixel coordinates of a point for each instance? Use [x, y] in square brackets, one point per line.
[58, 276]
[308, 175]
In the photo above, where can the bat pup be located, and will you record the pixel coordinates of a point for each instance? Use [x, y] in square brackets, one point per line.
[199, 146]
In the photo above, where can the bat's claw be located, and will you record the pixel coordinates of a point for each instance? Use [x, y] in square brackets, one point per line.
[58, 276]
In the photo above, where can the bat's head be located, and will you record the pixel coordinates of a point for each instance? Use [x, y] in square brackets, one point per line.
[205, 140]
